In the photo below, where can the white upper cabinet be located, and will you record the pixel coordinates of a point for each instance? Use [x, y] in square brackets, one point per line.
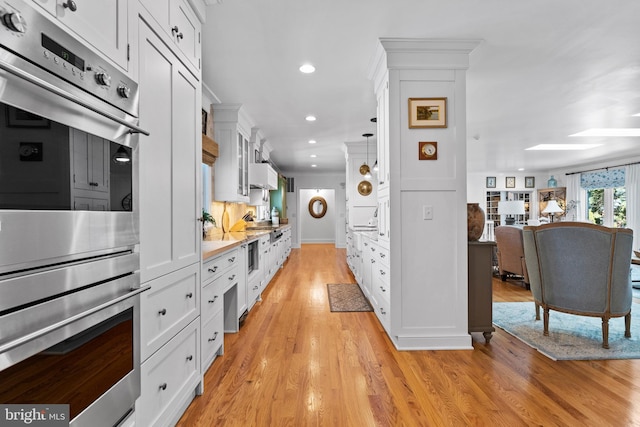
[181, 25]
[231, 128]
[263, 175]
[103, 24]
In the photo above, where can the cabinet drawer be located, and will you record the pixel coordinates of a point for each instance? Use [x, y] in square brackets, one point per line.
[212, 339]
[172, 302]
[381, 284]
[382, 310]
[229, 277]
[212, 300]
[216, 266]
[167, 375]
[383, 255]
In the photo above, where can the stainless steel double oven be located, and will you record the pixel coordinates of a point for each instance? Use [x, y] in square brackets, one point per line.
[69, 263]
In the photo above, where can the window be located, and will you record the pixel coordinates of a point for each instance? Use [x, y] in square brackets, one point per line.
[607, 206]
[606, 197]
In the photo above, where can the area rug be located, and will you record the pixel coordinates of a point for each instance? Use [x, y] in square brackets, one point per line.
[570, 337]
[347, 297]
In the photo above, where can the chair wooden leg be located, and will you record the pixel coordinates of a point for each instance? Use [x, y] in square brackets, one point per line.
[627, 325]
[605, 332]
[546, 322]
[537, 311]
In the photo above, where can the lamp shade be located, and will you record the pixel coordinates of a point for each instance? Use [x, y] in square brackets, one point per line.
[511, 207]
[552, 208]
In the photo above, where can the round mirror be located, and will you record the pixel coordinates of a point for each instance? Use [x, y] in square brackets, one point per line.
[317, 207]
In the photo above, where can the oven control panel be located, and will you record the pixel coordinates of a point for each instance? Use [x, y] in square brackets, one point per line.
[34, 37]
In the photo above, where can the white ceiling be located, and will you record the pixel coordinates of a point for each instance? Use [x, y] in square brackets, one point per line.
[545, 69]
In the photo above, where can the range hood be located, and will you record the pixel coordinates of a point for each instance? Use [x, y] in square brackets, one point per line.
[262, 175]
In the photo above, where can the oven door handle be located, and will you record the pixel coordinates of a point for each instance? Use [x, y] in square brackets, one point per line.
[44, 331]
[47, 86]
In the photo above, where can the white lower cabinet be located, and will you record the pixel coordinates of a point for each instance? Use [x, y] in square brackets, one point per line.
[169, 379]
[172, 302]
[212, 343]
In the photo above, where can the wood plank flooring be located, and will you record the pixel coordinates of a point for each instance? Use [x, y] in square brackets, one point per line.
[294, 363]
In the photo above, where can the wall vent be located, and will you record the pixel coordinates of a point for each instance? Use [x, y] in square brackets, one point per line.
[290, 186]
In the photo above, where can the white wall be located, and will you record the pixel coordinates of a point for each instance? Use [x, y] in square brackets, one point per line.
[315, 181]
[317, 230]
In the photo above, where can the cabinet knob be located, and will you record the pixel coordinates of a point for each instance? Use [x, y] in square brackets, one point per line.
[174, 30]
[190, 295]
[71, 5]
[232, 259]
[382, 311]
[163, 386]
[382, 273]
[215, 297]
[383, 289]
[214, 337]
[233, 276]
[255, 288]
[382, 255]
[212, 270]
[189, 358]
[373, 261]
[162, 312]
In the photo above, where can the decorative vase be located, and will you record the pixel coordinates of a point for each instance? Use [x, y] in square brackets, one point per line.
[552, 183]
[475, 221]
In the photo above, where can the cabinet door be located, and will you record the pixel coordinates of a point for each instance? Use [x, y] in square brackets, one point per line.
[383, 137]
[243, 165]
[179, 22]
[103, 24]
[188, 33]
[168, 184]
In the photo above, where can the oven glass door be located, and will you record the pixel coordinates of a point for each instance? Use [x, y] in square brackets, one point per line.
[76, 371]
[46, 165]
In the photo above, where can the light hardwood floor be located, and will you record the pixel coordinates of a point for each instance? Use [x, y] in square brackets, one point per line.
[294, 363]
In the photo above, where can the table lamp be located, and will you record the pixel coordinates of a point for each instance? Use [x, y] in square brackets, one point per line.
[552, 209]
[510, 208]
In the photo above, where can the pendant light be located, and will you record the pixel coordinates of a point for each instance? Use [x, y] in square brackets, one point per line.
[364, 169]
[121, 157]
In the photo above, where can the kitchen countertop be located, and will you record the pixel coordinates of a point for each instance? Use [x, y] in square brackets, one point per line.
[217, 243]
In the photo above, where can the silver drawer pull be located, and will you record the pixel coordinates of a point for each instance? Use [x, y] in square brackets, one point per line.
[162, 312]
[190, 295]
[189, 358]
[215, 297]
[163, 386]
[214, 337]
[212, 270]
[232, 277]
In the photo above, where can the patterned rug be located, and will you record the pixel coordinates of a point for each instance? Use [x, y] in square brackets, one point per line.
[347, 297]
[571, 337]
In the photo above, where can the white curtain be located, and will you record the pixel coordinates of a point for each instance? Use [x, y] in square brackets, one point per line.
[632, 185]
[576, 194]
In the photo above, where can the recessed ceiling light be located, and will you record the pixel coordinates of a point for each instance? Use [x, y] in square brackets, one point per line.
[636, 115]
[520, 169]
[312, 141]
[314, 166]
[307, 68]
[310, 118]
[609, 132]
[313, 156]
[558, 147]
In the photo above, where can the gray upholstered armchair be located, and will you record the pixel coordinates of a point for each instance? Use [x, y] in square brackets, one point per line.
[582, 269]
[511, 252]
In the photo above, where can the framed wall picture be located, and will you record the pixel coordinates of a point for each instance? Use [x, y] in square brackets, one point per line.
[427, 113]
[17, 118]
[491, 182]
[510, 182]
[529, 182]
